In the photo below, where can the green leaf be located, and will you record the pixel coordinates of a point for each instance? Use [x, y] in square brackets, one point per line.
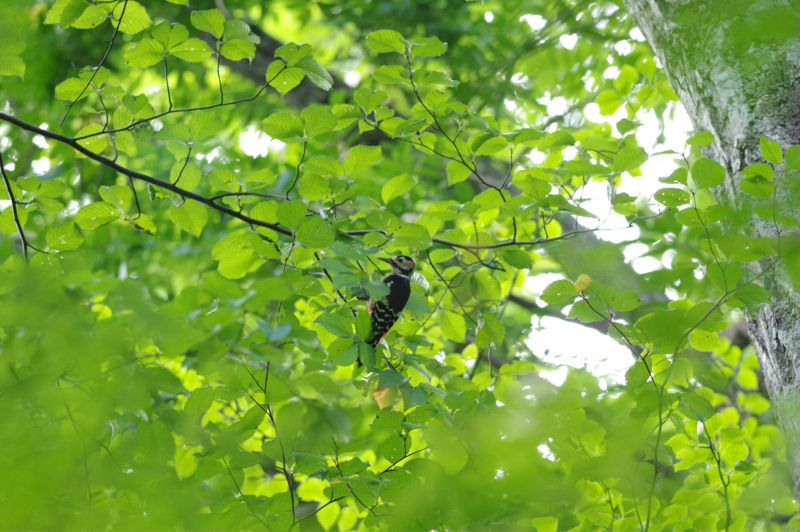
[12, 65]
[285, 126]
[427, 47]
[707, 173]
[393, 448]
[396, 186]
[292, 213]
[170, 35]
[678, 176]
[389, 378]
[96, 214]
[701, 139]
[609, 101]
[367, 99]
[136, 18]
[454, 326]
[629, 157]
[63, 237]
[240, 253]
[315, 233]
[545, 524]
[145, 53]
[704, 340]
[119, 196]
[92, 16]
[771, 151]
[696, 407]
[457, 172]
[8, 225]
[192, 50]
[210, 21]
[758, 187]
[346, 356]
[492, 332]
[793, 158]
[758, 170]
[559, 293]
[293, 53]
[386, 41]
[190, 217]
[671, 197]
[517, 258]
[627, 77]
[360, 158]
[446, 447]
[284, 79]
[390, 74]
[625, 125]
[96, 144]
[69, 89]
[318, 119]
[238, 41]
[316, 73]
[336, 324]
[238, 49]
[585, 313]
[491, 146]
[72, 10]
[413, 236]
[363, 324]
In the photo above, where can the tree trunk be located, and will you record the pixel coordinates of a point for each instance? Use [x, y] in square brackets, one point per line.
[736, 66]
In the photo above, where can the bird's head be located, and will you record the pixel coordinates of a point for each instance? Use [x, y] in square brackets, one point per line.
[402, 264]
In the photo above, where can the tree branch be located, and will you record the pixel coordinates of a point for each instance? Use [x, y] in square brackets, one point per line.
[186, 194]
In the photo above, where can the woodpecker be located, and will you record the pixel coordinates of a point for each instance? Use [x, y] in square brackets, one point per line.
[384, 312]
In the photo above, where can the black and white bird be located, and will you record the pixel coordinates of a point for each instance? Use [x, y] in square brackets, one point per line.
[384, 312]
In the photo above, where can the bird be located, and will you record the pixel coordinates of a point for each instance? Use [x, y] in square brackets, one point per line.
[384, 312]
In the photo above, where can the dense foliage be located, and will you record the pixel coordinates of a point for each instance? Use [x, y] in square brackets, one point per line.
[181, 316]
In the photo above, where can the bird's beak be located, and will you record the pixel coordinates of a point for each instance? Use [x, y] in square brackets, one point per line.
[390, 261]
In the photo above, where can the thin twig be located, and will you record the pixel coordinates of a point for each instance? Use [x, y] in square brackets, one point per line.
[243, 496]
[137, 123]
[407, 455]
[219, 77]
[297, 170]
[166, 83]
[14, 211]
[136, 199]
[102, 61]
[185, 163]
[724, 479]
[267, 409]
[342, 476]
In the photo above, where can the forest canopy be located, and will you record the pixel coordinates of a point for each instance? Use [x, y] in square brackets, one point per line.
[196, 195]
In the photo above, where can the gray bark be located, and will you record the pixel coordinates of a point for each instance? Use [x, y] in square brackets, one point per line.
[736, 66]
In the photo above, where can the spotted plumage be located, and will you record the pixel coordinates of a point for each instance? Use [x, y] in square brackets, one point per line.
[385, 312]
